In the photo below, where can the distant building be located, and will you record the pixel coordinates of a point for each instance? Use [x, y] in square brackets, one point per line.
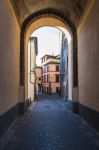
[64, 66]
[32, 53]
[50, 74]
[38, 79]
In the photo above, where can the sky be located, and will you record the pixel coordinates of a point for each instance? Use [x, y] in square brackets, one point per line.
[48, 41]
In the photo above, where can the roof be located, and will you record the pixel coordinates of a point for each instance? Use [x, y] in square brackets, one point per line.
[48, 63]
[51, 56]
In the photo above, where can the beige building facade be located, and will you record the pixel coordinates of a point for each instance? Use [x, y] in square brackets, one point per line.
[32, 53]
[50, 74]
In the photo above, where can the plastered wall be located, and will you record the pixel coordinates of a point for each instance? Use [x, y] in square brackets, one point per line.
[9, 57]
[31, 67]
[70, 72]
[88, 58]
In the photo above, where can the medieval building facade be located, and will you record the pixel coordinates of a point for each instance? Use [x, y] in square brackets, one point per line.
[50, 74]
[32, 53]
[64, 66]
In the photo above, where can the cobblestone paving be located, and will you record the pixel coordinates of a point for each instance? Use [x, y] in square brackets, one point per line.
[48, 125]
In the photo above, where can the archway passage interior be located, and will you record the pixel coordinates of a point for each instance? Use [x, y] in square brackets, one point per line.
[81, 19]
[52, 60]
[49, 19]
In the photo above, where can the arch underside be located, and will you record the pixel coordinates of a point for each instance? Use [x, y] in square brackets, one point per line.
[35, 21]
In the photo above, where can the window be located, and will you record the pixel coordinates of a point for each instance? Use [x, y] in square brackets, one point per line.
[39, 79]
[57, 89]
[57, 78]
[47, 68]
[44, 69]
[44, 78]
[47, 78]
[57, 67]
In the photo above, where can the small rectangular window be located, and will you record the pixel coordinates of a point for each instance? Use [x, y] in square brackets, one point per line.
[57, 78]
[44, 78]
[47, 68]
[57, 67]
[47, 78]
[57, 89]
[44, 69]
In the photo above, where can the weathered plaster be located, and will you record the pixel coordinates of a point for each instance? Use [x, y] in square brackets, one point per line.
[71, 8]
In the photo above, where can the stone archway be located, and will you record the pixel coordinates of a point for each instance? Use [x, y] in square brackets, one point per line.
[66, 20]
[53, 13]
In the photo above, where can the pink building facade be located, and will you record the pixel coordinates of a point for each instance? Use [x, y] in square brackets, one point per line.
[50, 74]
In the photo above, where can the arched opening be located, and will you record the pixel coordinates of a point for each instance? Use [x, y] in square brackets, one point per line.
[54, 45]
[49, 17]
[18, 18]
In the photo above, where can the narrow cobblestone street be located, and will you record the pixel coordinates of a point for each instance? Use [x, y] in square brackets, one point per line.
[48, 125]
